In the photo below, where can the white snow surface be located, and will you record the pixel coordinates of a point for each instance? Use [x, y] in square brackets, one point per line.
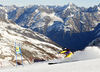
[87, 61]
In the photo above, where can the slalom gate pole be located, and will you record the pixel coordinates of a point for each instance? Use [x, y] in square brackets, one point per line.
[22, 60]
[21, 55]
[16, 54]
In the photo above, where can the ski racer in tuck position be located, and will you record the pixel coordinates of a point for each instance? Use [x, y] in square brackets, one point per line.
[67, 52]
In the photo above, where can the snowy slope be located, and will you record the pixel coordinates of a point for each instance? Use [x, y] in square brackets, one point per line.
[88, 65]
[79, 66]
[32, 44]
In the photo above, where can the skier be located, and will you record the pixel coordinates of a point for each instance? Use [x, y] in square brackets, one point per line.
[66, 51]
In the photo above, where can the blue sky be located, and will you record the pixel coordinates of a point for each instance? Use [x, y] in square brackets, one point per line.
[85, 3]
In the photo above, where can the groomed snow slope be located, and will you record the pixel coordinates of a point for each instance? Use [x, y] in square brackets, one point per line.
[87, 64]
[79, 66]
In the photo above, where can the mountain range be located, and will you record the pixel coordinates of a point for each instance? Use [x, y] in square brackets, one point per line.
[69, 25]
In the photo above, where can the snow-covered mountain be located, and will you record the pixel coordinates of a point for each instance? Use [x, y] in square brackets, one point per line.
[66, 25]
[95, 42]
[96, 39]
[33, 44]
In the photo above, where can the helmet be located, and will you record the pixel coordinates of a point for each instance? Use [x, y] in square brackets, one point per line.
[64, 48]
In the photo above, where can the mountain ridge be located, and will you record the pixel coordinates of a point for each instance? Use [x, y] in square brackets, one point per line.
[56, 22]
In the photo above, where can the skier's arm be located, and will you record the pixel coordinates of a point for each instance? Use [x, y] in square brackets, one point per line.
[62, 52]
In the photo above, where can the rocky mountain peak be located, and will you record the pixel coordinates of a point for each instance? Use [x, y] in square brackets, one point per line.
[1, 5]
[71, 4]
[99, 4]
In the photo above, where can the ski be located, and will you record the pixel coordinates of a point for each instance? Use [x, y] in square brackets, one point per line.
[52, 63]
[56, 63]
